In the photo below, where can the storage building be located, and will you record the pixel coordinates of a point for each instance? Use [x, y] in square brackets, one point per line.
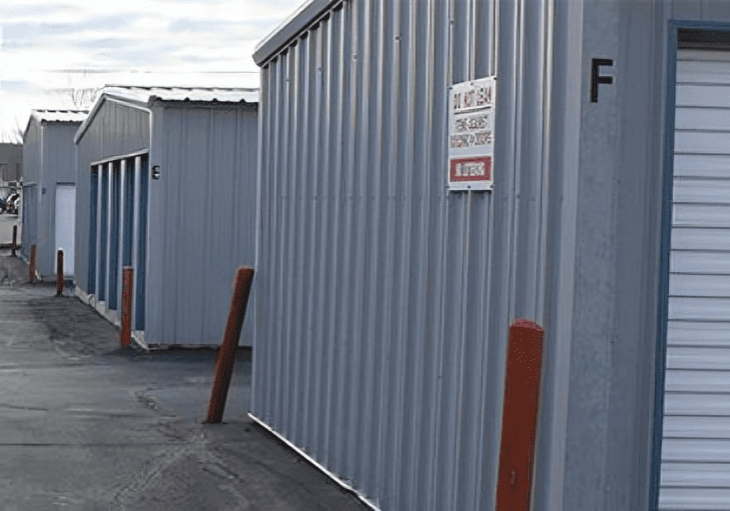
[49, 188]
[595, 202]
[167, 180]
[11, 164]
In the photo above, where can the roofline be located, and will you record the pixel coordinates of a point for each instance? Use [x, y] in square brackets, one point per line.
[146, 106]
[41, 121]
[307, 14]
[102, 99]
[27, 127]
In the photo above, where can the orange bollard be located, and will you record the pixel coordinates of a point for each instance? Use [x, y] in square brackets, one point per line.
[59, 272]
[227, 353]
[519, 416]
[125, 336]
[15, 240]
[31, 265]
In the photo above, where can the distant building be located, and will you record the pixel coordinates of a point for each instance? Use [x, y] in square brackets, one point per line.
[167, 185]
[49, 187]
[11, 163]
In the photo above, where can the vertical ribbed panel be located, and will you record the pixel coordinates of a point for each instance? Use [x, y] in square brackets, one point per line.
[384, 299]
[203, 207]
[201, 211]
[31, 186]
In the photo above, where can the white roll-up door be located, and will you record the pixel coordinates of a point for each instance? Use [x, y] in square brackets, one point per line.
[65, 225]
[695, 464]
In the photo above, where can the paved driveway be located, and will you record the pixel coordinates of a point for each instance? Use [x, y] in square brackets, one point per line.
[88, 426]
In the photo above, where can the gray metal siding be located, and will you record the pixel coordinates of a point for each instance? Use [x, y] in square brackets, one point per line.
[384, 299]
[116, 130]
[32, 166]
[202, 218]
[30, 218]
[49, 155]
[59, 165]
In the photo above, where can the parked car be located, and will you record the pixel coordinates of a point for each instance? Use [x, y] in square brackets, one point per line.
[3, 206]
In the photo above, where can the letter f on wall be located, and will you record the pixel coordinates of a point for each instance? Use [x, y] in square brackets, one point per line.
[596, 78]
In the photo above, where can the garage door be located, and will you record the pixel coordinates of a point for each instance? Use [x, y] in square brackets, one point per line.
[695, 459]
[65, 225]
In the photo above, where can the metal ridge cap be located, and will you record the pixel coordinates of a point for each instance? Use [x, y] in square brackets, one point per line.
[48, 115]
[147, 95]
[305, 15]
[182, 87]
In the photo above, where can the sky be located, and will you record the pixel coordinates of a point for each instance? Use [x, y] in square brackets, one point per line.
[50, 48]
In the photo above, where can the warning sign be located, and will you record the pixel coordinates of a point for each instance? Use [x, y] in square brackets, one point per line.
[471, 134]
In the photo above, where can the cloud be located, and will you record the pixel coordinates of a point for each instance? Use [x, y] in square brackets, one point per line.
[53, 45]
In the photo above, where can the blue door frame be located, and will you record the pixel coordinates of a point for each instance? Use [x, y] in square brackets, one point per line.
[114, 236]
[93, 202]
[140, 292]
[103, 228]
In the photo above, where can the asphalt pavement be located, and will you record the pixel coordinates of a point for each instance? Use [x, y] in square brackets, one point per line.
[87, 425]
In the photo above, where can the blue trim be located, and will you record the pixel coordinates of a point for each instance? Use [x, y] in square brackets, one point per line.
[114, 236]
[675, 25]
[103, 234]
[666, 231]
[128, 210]
[93, 199]
[142, 247]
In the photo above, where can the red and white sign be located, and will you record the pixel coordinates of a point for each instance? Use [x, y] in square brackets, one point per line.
[471, 134]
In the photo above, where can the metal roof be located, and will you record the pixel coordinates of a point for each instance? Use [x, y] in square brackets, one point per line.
[149, 94]
[59, 115]
[307, 14]
[143, 97]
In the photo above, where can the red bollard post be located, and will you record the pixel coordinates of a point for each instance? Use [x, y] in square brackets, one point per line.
[227, 353]
[125, 336]
[519, 416]
[31, 265]
[15, 240]
[59, 272]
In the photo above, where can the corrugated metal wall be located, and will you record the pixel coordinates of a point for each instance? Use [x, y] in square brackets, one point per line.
[31, 180]
[116, 130]
[59, 166]
[384, 299]
[49, 155]
[201, 220]
[201, 211]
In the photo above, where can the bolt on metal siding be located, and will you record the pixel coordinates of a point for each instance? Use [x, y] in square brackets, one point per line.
[31, 180]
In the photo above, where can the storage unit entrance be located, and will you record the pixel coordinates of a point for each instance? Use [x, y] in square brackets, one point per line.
[167, 186]
[693, 425]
